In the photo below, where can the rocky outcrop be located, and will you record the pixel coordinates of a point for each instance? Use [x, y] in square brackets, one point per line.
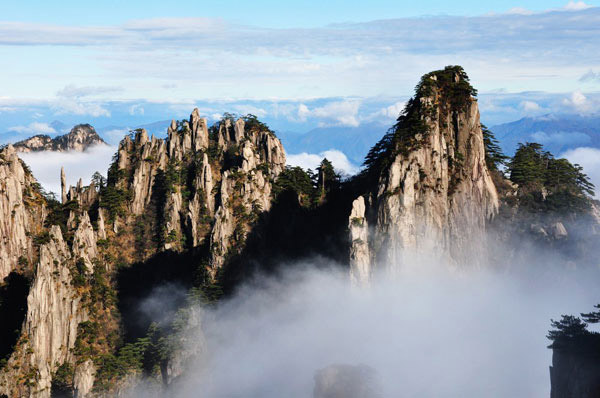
[53, 313]
[434, 190]
[192, 177]
[54, 305]
[85, 196]
[83, 379]
[84, 242]
[22, 212]
[80, 138]
[360, 258]
[63, 185]
[246, 191]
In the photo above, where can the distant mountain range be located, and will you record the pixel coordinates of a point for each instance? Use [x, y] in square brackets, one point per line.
[354, 142]
[558, 133]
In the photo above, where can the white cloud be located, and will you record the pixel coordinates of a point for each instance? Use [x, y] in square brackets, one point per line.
[462, 329]
[301, 63]
[579, 102]
[311, 160]
[46, 165]
[530, 106]
[69, 106]
[72, 91]
[519, 11]
[136, 109]
[589, 159]
[33, 128]
[338, 113]
[116, 135]
[389, 112]
[303, 112]
[577, 6]
[590, 76]
[245, 109]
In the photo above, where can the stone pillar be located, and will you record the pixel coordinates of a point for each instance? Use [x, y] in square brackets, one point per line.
[63, 185]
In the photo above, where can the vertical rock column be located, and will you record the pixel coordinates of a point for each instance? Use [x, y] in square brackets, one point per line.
[360, 261]
[63, 185]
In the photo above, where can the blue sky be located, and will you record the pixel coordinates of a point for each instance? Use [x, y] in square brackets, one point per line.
[297, 65]
[265, 13]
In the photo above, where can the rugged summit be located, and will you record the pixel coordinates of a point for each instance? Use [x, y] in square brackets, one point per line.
[434, 190]
[80, 138]
[206, 186]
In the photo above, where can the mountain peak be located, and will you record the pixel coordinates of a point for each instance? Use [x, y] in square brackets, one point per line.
[80, 138]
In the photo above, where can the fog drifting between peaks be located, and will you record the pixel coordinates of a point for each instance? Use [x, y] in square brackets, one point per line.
[427, 332]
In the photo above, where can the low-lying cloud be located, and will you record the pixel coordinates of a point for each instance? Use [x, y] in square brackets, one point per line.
[312, 160]
[46, 165]
[427, 332]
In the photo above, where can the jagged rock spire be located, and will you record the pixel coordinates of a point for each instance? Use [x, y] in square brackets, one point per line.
[434, 192]
[63, 185]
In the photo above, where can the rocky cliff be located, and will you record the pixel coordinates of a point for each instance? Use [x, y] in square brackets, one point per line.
[205, 187]
[80, 138]
[22, 212]
[433, 189]
[36, 250]
[198, 192]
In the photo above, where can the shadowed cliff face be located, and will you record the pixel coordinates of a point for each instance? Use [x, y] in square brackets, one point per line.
[13, 307]
[575, 373]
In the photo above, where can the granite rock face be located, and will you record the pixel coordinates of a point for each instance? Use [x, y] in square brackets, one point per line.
[54, 311]
[22, 212]
[228, 177]
[360, 258]
[435, 192]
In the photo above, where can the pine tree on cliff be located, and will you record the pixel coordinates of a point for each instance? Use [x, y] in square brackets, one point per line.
[592, 317]
[566, 330]
[455, 91]
[494, 157]
[549, 184]
[327, 179]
